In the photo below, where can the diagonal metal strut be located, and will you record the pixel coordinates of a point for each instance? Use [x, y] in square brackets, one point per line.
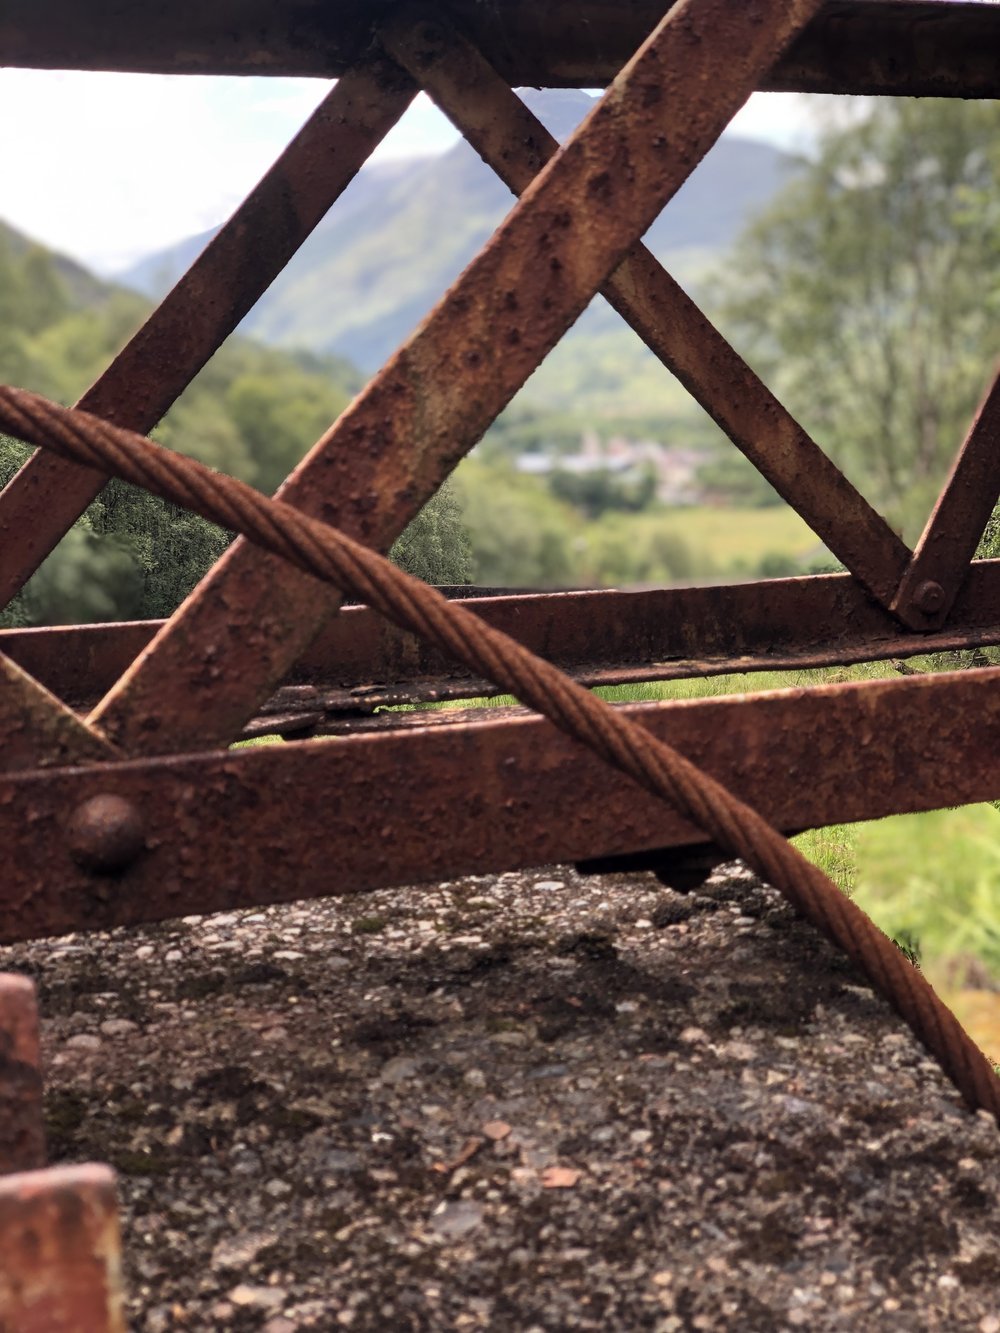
[224, 650]
[928, 587]
[38, 729]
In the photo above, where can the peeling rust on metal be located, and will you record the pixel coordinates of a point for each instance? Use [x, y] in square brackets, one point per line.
[38, 728]
[60, 1252]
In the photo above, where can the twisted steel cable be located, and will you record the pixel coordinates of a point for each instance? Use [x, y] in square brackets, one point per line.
[328, 554]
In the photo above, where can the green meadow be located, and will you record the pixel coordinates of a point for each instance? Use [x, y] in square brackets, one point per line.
[729, 541]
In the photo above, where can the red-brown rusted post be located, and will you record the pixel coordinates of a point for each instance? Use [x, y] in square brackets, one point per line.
[60, 1252]
[22, 1136]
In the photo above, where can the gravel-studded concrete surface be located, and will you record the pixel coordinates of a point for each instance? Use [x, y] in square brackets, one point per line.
[532, 1102]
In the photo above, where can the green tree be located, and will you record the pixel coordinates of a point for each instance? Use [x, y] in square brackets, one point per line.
[132, 556]
[868, 294]
[521, 537]
[281, 418]
[435, 546]
[601, 490]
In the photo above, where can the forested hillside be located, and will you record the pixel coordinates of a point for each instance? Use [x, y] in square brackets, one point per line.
[252, 412]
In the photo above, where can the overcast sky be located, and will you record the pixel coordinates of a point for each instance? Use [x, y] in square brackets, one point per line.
[108, 167]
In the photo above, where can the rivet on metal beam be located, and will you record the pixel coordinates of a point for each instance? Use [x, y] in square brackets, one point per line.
[929, 597]
[105, 834]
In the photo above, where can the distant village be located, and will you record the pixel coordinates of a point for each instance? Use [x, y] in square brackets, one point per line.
[674, 467]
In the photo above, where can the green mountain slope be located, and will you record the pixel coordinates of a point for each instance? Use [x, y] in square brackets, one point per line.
[60, 327]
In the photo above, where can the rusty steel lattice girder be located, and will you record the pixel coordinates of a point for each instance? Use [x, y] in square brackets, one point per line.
[119, 799]
[257, 626]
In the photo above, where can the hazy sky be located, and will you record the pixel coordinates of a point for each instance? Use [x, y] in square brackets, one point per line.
[107, 167]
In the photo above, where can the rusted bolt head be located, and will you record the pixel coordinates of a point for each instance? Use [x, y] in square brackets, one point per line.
[105, 834]
[929, 597]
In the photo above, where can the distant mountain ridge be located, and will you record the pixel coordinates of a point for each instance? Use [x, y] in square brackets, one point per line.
[403, 231]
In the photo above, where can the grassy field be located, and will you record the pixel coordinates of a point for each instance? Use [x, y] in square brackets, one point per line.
[733, 539]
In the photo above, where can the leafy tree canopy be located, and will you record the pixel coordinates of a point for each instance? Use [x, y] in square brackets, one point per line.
[868, 294]
[252, 412]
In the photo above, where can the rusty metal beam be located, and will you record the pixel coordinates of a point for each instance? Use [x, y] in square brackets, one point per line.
[514, 142]
[22, 1133]
[49, 494]
[60, 1252]
[360, 660]
[223, 652]
[36, 728]
[366, 812]
[930, 584]
[925, 48]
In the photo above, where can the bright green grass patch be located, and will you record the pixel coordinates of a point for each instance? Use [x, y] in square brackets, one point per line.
[747, 682]
[936, 878]
[835, 851]
[731, 540]
[696, 687]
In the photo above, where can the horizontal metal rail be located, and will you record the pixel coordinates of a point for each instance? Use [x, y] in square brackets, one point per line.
[919, 49]
[204, 833]
[360, 661]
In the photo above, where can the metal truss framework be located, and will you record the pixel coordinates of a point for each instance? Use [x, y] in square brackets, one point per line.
[136, 710]
[120, 801]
